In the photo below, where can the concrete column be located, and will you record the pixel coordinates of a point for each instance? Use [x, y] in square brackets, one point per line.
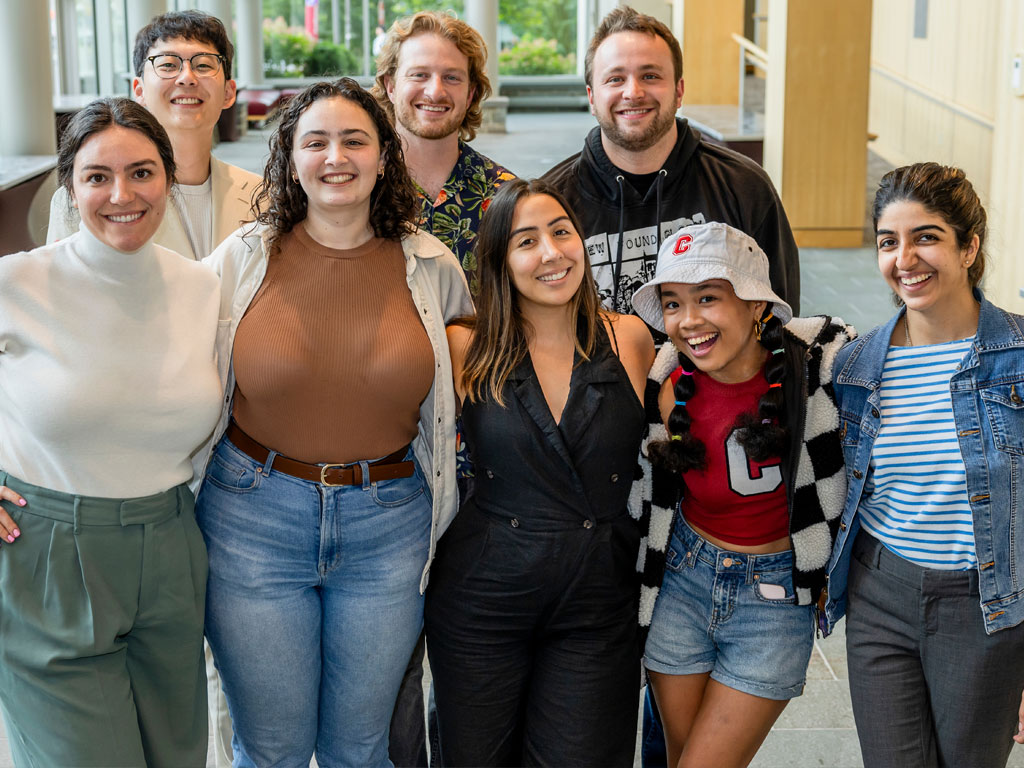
[584, 31]
[141, 12]
[219, 8]
[249, 42]
[482, 15]
[27, 91]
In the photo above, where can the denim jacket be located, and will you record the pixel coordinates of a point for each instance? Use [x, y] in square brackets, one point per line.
[987, 392]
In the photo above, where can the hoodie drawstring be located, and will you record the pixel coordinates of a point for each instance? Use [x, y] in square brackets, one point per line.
[657, 204]
[617, 267]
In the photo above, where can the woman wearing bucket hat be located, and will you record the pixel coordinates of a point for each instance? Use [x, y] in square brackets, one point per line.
[750, 444]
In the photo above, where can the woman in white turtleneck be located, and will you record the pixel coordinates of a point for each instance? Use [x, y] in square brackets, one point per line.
[108, 383]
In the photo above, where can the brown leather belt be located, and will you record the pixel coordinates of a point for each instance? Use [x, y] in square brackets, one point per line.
[389, 468]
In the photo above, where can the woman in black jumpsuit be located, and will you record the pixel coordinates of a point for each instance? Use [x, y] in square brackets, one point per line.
[531, 613]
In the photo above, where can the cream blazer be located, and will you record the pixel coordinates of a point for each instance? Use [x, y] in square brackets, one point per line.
[232, 198]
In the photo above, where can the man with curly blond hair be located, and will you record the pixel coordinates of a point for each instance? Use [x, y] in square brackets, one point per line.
[432, 79]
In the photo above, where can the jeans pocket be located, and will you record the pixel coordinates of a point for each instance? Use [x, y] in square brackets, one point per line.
[233, 474]
[398, 492]
[675, 557]
[775, 587]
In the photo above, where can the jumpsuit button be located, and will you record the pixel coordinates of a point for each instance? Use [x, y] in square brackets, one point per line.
[858, 474]
[514, 522]
[490, 475]
[727, 562]
[874, 412]
[842, 526]
[615, 478]
[588, 524]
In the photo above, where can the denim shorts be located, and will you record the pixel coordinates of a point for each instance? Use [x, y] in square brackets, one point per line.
[731, 614]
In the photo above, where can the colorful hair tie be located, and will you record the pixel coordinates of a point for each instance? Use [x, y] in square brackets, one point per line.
[776, 384]
[686, 372]
[677, 437]
[778, 351]
[680, 402]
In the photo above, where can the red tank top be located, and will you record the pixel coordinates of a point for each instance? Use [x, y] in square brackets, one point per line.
[734, 499]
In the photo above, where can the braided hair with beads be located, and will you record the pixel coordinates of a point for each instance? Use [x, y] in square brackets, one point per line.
[762, 435]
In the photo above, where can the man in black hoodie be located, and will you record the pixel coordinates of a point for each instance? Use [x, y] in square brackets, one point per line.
[644, 173]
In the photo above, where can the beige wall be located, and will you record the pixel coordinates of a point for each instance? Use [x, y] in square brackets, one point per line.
[947, 98]
[1006, 196]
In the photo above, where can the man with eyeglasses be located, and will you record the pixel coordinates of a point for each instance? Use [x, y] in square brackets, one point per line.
[182, 66]
[183, 76]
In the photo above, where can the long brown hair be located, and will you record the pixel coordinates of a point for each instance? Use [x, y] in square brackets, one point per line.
[501, 333]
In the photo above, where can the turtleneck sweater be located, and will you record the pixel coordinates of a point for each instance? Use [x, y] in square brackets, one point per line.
[108, 375]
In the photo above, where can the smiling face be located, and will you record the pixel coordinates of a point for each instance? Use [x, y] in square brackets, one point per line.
[714, 328]
[184, 102]
[545, 253]
[634, 93]
[920, 259]
[120, 188]
[336, 156]
[430, 88]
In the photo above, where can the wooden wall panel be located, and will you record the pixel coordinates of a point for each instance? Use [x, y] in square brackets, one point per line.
[711, 65]
[816, 105]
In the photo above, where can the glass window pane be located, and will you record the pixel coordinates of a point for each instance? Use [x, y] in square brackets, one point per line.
[85, 25]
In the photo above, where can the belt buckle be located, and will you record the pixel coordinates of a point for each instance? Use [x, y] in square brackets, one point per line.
[323, 475]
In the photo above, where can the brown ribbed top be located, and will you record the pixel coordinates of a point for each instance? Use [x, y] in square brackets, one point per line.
[331, 359]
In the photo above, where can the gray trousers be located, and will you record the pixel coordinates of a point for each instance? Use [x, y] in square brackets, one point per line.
[929, 687]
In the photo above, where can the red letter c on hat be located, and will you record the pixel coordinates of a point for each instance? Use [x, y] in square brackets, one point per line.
[682, 244]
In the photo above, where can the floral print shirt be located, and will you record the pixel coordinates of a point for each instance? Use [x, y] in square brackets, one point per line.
[454, 217]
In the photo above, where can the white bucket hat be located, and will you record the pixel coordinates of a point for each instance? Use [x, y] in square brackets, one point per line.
[709, 251]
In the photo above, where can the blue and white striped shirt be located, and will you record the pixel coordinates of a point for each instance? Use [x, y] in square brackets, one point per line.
[915, 498]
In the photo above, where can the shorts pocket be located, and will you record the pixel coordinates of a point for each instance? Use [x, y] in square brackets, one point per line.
[676, 554]
[775, 588]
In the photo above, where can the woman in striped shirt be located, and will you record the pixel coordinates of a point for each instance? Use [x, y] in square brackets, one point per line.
[933, 528]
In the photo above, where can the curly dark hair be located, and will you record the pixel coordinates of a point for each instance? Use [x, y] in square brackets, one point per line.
[281, 203]
[763, 435]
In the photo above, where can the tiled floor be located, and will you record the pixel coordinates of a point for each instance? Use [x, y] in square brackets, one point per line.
[816, 729]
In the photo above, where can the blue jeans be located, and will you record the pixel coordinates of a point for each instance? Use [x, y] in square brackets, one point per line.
[313, 607]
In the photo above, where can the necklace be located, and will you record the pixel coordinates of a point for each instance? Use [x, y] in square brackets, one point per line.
[906, 331]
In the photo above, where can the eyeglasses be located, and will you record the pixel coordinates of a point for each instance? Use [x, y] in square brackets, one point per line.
[168, 65]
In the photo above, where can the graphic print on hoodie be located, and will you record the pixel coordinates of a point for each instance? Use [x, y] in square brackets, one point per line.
[699, 182]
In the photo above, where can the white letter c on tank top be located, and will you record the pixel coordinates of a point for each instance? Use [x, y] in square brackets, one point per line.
[740, 478]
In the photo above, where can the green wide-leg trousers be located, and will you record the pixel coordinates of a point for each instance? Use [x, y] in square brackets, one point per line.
[101, 631]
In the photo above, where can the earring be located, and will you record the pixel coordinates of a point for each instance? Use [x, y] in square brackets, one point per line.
[380, 173]
[760, 324]
[295, 178]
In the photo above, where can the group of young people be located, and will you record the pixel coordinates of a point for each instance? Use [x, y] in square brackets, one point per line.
[324, 376]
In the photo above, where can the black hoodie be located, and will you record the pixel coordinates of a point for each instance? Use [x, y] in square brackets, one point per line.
[699, 182]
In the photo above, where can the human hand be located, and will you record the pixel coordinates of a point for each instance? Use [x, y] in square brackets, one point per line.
[9, 532]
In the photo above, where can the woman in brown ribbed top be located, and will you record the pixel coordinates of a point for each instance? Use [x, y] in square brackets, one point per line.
[334, 470]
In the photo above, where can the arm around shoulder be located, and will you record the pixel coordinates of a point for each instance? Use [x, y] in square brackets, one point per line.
[63, 217]
[635, 348]
[459, 338]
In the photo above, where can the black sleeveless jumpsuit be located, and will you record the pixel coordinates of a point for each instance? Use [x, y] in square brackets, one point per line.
[531, 612]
